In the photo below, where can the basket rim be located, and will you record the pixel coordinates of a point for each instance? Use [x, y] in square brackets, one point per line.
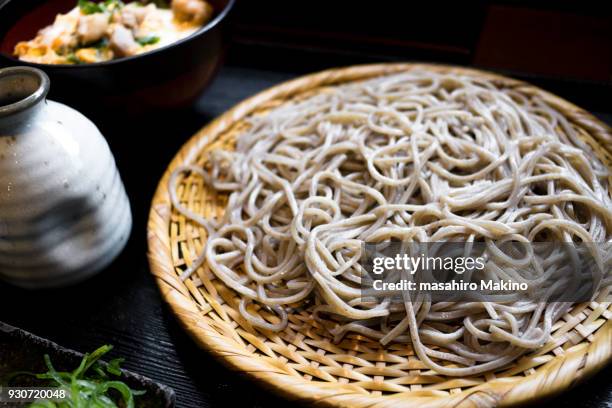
[548, 380]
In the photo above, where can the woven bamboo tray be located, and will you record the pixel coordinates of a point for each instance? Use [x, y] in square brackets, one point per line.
[302, 362]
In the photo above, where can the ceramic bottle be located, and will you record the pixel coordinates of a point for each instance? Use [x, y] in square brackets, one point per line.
[64, 212]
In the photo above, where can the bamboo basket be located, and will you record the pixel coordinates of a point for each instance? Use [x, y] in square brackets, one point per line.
[302, 363]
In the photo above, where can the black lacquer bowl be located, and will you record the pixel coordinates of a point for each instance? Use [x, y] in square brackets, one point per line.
[168, 77]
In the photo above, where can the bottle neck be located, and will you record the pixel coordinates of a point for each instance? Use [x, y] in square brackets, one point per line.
[22, 95]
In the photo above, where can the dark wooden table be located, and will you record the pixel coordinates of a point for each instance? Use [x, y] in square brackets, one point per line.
[122, 306]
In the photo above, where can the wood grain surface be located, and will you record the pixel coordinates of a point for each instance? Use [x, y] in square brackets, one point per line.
[122, 306]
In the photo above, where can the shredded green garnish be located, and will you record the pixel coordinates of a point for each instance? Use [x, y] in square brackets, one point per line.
[91, 385]
[112, 4]
[102, 43]
[89, 7]
[148, 40]
[107, 6]
[73, 59]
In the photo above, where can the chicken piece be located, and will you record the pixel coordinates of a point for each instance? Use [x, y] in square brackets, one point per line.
[154, 23]
[122, 41]
[195, 12]
[92, 27]
[61, 35]
[133, 14]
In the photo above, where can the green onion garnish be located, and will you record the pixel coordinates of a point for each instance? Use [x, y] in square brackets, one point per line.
[91, 384]
[148, 40]
[89, 7]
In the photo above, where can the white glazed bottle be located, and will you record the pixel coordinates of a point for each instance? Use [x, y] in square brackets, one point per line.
[64, 213]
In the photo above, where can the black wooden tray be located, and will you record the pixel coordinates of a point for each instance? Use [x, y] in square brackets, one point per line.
[21, 350]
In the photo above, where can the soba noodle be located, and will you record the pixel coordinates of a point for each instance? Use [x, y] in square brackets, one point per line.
[418, 156]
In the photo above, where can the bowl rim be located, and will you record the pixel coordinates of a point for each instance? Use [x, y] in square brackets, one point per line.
[33, 98]
[201, 31]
